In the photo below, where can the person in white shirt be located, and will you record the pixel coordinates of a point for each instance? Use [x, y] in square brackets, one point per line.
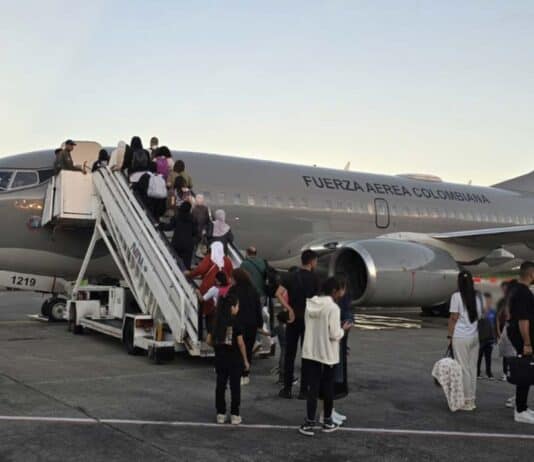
[117, 156]
[320, 353]
[465, 311]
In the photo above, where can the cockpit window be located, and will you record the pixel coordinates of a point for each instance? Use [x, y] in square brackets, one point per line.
[5, 179]
[24, 179]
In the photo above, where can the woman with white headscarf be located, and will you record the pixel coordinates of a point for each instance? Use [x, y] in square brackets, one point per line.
[215, 261]
[117, 156]
[220, 230]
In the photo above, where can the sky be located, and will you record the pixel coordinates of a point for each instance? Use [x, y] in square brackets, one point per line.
[414, 86]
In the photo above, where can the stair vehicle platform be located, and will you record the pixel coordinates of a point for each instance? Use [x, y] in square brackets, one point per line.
[155, 307]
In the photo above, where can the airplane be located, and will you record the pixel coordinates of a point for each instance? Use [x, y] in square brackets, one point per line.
[400, 240]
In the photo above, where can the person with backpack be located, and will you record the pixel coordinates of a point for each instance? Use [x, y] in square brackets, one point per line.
[230, 357]
[161, 157]
[256, 268]
[320, 353]
[465, 311]
[185, 233]
[302, 285]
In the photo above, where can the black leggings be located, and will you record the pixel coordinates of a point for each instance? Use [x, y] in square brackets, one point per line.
[228, 368]
[294, 335]
[485, 351]
[320, 380]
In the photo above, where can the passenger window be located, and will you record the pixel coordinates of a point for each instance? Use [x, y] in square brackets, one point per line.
[221, 198]
[304, 203]
[237, 199]
[207, 197]
[5, 179]
[251, 200]
[291, 203]
[25, 179]
[329, 204]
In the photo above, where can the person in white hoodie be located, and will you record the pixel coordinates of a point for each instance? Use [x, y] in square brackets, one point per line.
[320, 353]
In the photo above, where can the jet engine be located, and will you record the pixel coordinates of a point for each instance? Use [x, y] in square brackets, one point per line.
[389, 272]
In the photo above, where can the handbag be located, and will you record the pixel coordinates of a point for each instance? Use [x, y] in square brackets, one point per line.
[448, 354]
[520, 370]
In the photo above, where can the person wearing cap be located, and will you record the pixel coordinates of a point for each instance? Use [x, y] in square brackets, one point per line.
[64, 159]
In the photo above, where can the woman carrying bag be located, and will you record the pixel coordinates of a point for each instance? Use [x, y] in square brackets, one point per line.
[465, 311]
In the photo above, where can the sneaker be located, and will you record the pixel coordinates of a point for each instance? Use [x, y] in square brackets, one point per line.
[334, 418]
[490, 377]
[524, 417]
[285, 393]
[479, 377]
[245, 380]
[510, 402]
[302, 395]
[221, 418]
[236, 419]
[504, 379]
[329, 427]
[337, 416]
[306, 429]
[468, 407]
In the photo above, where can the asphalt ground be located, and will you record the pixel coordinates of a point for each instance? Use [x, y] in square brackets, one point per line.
[66, 397]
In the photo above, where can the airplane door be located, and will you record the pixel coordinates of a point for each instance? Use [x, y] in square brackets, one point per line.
[85, 151]
[381, 213]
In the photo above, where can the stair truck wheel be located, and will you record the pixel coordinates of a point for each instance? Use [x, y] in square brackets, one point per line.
[56, 309]
[76, 329]
[128, 338]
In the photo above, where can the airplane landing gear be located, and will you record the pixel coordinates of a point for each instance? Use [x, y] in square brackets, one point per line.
[54, 309]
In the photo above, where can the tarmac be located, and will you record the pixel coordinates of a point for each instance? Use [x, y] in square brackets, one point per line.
[66, 397]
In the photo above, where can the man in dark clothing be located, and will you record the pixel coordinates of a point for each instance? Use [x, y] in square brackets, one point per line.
[302, 285]
[521, 332]
[256, 268]
[64, 159]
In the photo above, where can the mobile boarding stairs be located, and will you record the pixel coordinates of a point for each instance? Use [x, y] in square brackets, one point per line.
[161, 315]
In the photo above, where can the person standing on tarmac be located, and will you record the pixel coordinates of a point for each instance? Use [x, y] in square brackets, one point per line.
[250, 312]
[302, 285]
[465, 311]
[320, 353]
[521, 333]
[230, 357]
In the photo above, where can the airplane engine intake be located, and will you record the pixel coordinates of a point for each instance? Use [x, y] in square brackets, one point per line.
[388, 272]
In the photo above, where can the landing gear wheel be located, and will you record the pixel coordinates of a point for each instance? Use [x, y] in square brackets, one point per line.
[128, 338]
[56, 309]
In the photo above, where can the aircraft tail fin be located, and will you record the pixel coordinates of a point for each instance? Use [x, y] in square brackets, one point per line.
[522, 183]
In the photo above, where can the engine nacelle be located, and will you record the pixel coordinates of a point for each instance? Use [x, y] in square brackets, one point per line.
[389, 272]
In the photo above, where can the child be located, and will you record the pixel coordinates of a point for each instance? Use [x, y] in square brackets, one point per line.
[220, 289]
[230, 357]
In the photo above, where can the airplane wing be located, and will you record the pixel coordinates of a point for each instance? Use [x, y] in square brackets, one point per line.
[490, 237]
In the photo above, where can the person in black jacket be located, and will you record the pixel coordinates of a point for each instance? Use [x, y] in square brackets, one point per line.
[103, 160]
[185, 233]
[135, 144]
[250, 316]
